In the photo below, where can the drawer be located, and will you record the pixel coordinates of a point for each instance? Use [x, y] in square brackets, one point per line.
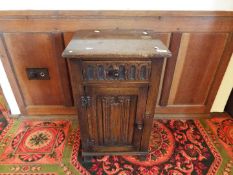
[116, 70]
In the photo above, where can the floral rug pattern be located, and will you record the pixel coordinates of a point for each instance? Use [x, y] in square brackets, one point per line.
[37, 141]
[222, 127]
[181, 147]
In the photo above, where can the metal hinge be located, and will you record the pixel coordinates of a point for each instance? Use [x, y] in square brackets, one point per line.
[139, 125]
[85, 101]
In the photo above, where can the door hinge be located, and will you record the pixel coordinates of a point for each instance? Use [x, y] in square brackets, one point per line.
[85, 101]
[139, 125]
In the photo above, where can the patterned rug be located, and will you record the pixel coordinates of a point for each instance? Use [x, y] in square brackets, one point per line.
[42, 147]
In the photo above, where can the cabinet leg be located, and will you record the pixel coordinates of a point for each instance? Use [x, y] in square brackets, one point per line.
[141, 157]
[87, 159]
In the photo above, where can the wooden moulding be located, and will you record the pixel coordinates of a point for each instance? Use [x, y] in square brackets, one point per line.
[57, 13]
[162, 21]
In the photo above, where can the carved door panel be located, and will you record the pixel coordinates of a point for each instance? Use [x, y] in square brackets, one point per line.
[115, 119]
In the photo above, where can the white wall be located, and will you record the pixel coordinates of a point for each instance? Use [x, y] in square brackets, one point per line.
[7, 91]
[116, 5]
[224, 90]
[207, 5]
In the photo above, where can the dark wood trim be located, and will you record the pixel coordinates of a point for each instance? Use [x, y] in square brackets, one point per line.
[162, 21]
[113, 153]
[220, 72]
[62, 68]
[170, 68]
[156, 71]
[181, 109]
[182, 116]
[60, 13]
[48, 117]
[50, 110]
[5, 57]
[78, 91]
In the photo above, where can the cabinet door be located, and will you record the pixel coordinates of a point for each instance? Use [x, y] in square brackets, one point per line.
[115, 118]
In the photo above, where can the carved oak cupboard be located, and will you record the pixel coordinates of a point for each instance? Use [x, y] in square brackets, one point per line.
[115, 79]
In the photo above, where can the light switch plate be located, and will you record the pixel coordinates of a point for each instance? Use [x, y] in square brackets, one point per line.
[38, 73]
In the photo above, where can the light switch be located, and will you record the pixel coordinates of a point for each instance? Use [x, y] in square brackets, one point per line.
[37, 73]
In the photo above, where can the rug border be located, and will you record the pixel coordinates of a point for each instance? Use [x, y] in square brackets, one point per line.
[218, 159]
[9, 120]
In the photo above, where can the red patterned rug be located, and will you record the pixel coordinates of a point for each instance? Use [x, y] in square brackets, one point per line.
[37, 141]
[222, 132]
[181, 147]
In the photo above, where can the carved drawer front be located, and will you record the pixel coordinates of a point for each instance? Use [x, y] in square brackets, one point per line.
[116, 70]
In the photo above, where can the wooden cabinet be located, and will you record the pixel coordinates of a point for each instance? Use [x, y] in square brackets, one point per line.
[115, 84]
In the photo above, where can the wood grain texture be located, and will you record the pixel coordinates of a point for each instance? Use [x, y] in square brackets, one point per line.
[78, 91]
[39, 51]
[44, 110]
[62, 69]
[56, 13]
[112, 117]
[156, 71]
[71, 21]
[192, 83]
[182, 116]
[181, 109]
[169, 69]
[179, 67]
[202, 58]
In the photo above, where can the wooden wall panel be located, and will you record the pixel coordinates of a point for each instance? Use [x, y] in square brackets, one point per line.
[39, 50]
[200, 64]
[195, 69]
[169, 69]
[46, 21]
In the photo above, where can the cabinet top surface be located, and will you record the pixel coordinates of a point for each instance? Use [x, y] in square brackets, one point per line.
[115, 44]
